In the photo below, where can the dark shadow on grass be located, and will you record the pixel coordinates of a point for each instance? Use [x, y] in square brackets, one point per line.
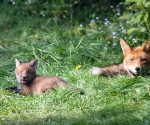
[112, 115]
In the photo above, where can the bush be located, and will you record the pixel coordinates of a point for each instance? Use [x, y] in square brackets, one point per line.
[61, 11]
[138, 14]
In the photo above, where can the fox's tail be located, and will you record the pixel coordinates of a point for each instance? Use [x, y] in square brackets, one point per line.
[111, 70]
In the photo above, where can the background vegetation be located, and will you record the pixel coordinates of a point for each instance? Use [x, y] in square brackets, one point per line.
[68, 38]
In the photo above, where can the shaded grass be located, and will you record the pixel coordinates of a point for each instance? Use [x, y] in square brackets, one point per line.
[59, 49]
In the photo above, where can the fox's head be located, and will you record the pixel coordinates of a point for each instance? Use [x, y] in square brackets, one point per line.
[25, 72]
[135, 58]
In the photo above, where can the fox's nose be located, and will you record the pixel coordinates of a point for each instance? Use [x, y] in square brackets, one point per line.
[24, 77]
[137, 69]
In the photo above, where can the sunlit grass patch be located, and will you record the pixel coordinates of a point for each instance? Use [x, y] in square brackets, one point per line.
[69, 52]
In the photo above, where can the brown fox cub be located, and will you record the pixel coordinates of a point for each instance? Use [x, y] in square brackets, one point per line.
[134, 60]
[30, 83]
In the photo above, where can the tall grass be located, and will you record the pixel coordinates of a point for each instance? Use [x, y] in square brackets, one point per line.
[60, 49]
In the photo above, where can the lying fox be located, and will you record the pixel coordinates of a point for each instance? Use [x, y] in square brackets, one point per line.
[134, 60]
[29, 83]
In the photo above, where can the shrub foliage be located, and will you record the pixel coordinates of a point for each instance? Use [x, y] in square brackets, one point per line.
[138, 14]
[61, 10]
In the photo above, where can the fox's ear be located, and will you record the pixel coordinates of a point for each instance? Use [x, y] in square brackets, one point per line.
[17, 62]
[125, 47]
[146, 47]
[34, 63]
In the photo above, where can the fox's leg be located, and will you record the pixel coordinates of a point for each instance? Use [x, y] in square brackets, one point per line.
[15, 89]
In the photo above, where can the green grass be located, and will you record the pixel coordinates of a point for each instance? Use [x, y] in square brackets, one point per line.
[59, 49]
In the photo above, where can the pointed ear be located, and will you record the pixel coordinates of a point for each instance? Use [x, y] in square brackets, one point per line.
[17, 62]
[125, 47]
[34, 63]
[146, 47]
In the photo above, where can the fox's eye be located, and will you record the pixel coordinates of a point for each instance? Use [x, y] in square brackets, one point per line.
[143, 60]
[28, 72]
[131, 60]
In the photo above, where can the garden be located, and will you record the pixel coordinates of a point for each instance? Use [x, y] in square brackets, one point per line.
[68, 37]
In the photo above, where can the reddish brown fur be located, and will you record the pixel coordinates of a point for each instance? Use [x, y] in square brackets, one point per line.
[134, 59]
[30, 83]
[113, 70]
[41, 84]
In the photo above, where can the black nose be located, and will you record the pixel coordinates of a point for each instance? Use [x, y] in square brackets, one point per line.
[24, 77]
[137, 69]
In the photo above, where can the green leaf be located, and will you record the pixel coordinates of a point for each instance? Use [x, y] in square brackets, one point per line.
[144, 18]
[131, 30]
[143, 2]
[138, 2]
[136, 19]
[143, 29]
[147, 4]
[125, 16]
[130, 1]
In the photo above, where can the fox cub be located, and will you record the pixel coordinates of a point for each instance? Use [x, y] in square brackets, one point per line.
[134, 60]
[29, 83]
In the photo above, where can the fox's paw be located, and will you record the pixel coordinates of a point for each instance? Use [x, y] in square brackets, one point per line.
[96, 71]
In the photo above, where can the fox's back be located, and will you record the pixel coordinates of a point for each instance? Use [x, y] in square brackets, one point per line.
[43, 83]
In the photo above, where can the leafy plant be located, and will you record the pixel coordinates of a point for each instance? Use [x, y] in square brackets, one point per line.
[138, 16]
[60, 11]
